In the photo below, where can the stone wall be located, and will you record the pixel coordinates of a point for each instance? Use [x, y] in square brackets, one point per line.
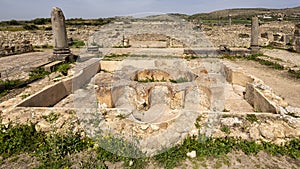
[16, 48]
[239, 35]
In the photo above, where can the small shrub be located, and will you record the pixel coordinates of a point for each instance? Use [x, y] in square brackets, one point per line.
[38, 73]
[294, 73]
[121, 116]
[24, 96]
[251, 118]
[197, 123]
[77, 43]
[225, 129]
[63, 68]
[52, 117]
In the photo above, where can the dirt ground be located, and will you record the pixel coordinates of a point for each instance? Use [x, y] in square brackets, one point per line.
[233, 160]
[279, 80]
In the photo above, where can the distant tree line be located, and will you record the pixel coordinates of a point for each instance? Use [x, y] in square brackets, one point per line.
[72, 21]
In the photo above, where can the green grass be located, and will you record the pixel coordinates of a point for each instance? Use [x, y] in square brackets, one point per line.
[147, 80]
[38, 73]
[63, 68]
[52, 117]
[43, 47]
[179, 80]
[122, 46]
[54, 150]
[256, 58]
[225, 129]
[12, 29]
[77, 43]
[35, 74]
[294, 73]
[115, 57]
[221, 146]
[251, 118]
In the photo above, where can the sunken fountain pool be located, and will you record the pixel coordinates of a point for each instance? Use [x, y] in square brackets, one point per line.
[153, 103]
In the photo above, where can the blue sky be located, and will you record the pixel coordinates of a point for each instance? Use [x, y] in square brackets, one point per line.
[30, 9]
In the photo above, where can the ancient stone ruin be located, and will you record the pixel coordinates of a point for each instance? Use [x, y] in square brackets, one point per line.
[254, 35]
[17, 48]
[61, 49]
[297, 37]
[155, 84]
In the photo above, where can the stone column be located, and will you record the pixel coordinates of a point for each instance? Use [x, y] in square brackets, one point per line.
[254, 35]
[297, 37]
[61, 49]
[230, 21]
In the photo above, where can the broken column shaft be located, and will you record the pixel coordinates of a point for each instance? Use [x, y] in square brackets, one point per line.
[61, 49]
[297, 37]
[254, 35]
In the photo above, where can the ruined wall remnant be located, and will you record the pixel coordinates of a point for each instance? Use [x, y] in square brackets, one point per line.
[61, 49]
[17, 48]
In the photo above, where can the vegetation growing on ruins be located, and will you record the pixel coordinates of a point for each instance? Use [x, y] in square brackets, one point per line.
[7, 85]
[56, 150]
[179, 80]
[256, 58]
[294, 73]
[38, 73]
[251, 118]
[77, 43]
[148, 80]
[63, 68]
[115, 57]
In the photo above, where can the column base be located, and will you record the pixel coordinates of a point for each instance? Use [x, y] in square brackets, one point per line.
[63, 54]
[255, 49]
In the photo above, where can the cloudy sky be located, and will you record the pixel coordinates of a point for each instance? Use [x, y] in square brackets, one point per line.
[30, 9]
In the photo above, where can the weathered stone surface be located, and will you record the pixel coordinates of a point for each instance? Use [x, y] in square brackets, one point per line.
[61, 49]
[231, 121]
[254, 35]
[159, 95]
[254, 133]
[124, 97]
[266, 131]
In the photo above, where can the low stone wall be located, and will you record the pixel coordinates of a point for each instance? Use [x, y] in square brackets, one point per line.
[55, 93]
[257, 94]
[47, 97]
[110, 66]
[236, 76]
[24, 47]
[257, 99]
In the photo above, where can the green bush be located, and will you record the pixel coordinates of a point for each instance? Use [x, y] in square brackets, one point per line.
[38, 73]
[77, 43]
[30, 27]
[63, 68]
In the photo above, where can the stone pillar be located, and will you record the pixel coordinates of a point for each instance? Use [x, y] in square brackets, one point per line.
[230, 21]
[61, 49]
[297, 37]
[254, 35]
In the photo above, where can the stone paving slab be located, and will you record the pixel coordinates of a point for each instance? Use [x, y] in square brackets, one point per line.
[13, 66]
